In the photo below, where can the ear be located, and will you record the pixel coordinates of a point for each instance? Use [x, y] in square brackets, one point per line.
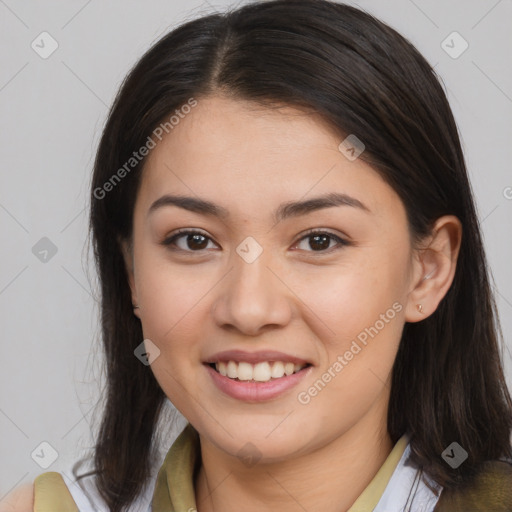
[434, 268]
[127, 252]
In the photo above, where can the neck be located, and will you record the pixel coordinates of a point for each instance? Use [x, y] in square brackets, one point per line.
[330, 478]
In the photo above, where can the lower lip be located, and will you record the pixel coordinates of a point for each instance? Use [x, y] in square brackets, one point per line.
[256, 391]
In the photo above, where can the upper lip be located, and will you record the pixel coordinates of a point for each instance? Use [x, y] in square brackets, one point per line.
[254, 357]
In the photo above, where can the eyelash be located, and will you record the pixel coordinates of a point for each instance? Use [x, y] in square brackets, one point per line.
[168, 242]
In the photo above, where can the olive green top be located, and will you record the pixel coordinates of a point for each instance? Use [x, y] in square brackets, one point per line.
[51, 494]
[174, 488]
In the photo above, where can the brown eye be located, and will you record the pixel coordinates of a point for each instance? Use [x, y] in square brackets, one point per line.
[320, 241]
[193, 241]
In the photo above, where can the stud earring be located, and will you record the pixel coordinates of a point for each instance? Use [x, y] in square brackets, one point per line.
[419, 308]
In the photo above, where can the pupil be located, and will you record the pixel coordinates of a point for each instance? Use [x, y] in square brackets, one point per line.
[194, 239]
[316, 238]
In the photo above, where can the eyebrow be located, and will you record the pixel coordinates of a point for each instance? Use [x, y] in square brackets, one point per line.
[284, 211]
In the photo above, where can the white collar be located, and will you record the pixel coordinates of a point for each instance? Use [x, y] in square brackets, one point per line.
[409, 489]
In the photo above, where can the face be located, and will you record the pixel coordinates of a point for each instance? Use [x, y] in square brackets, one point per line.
[322, 287]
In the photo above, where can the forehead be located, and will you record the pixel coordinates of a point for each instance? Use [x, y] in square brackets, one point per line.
[231, 132]
[236, 151]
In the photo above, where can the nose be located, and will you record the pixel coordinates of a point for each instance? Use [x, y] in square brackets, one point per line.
[253, 297]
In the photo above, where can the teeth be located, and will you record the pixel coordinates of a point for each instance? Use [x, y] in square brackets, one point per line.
[260, 372]
[277, 370]
[232, 370]
[245, 371]
[222, 368]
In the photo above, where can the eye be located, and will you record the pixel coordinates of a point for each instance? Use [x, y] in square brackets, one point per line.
[194, 241]
[319, 241]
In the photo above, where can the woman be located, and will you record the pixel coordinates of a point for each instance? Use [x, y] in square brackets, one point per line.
[289, 252]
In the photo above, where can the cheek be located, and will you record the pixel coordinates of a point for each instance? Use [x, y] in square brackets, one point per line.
[172, 303]
[168, 292]
[170, 298]
[363, 317]
[351, 297]
[360, 316]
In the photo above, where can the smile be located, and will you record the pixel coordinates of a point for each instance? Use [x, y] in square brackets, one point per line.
[259, 372]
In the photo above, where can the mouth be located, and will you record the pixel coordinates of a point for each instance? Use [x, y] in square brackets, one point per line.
[256, 377]
[263, 371]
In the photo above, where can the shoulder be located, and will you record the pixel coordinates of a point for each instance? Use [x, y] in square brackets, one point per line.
[54, 490]
[48, 492]
[490, 489]
[20, 499]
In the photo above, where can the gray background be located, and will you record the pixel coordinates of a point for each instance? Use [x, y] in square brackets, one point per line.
[52, 113]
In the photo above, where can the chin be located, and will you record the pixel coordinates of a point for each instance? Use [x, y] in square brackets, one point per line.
[260, 441]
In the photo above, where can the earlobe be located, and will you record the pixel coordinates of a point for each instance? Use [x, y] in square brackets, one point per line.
[436, 264]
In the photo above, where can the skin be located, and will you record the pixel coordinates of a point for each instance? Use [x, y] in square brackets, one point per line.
[20, 499]
[304, 302]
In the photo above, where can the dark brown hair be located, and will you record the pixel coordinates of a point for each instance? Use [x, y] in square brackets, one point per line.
[365, 79]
